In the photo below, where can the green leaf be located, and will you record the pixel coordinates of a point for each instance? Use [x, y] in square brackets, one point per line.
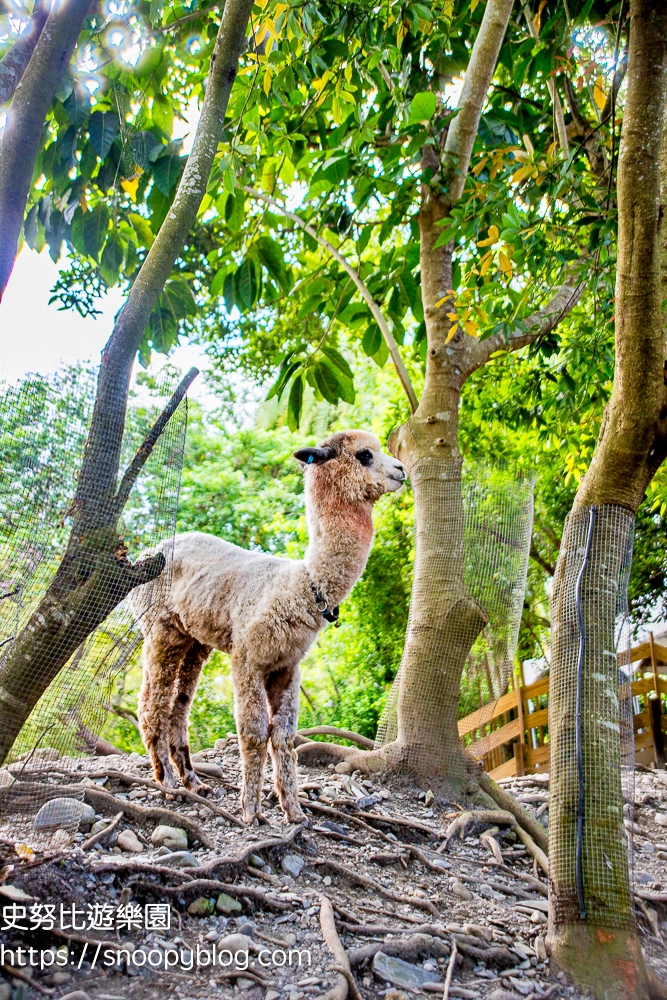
[142, 228]
[334, 170]
[282, 380]
[145, 149]
[95, 226]
[179, 298]
[77, 106]
[218, 282]
[246, 283]
[371, 340]
[422, 107]
[271, 256]
[103, 129]
[235, 211]
[112, 258]
[30, 227]
[295, 403]
[163, 114]
[326, 381]
[229, 292]
[337, 359]
[167, 171]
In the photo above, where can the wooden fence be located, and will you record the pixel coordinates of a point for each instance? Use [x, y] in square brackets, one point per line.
[511, 735]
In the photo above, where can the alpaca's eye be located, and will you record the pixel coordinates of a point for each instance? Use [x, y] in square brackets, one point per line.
[365, 457]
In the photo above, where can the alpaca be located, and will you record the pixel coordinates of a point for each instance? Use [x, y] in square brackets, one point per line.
[266, 611]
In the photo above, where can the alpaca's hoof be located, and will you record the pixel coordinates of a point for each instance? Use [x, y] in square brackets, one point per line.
[201, 789]
[297, 816]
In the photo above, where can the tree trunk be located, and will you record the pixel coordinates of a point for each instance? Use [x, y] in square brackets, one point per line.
[94, 575]
[13, 63]
[25, 121]
[591, 922]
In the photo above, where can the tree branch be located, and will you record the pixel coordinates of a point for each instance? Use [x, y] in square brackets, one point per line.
[13, 64]
[392, 346]
[32, 99]
[145, 451]
[542, 322]
[463, 129]
[561, 131]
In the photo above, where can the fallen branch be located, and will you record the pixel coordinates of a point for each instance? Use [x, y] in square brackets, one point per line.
[101, 799]
[459, 825]
[371, 930]
[370, 883]
[494, 954]
[343, 734]
[490, 842]
[509, 803]
[262, 845]
[346, 985]
[525, 877]
[498, 886]
[102, 835]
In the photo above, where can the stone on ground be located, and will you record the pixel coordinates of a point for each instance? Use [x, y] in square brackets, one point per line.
[61, 812]
[227, 905]
[179, 859]
[128, 841]
[400, 973]
[292, 865]
[201, 907]
[174, 837]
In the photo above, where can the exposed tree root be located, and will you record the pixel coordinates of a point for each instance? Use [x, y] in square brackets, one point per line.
[369, 883]
[344, 734]
[510, 804]
[450, 971]
[17, 973]
[106, 802]
[212, 885]
[462, 822]
[420, 943]
[346, 984]
[530, 845]
[98, 838]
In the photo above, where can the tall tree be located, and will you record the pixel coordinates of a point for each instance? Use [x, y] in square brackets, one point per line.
[94, 574]
[592, 928]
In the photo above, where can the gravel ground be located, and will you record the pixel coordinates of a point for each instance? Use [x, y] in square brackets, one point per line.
[371, 851]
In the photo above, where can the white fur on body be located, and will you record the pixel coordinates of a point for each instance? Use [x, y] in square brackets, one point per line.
[261, 609]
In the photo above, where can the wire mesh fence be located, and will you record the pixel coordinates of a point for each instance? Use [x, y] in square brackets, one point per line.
[52, 582]
[591, 720]
[472, 545]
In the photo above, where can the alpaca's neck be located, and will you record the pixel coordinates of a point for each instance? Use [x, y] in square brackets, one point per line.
[340, 537]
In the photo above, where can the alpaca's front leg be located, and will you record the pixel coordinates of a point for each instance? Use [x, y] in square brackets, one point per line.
[161, 656]
[252, 725]
[282, 689]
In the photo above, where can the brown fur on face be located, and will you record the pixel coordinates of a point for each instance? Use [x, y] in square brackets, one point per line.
[262, 610]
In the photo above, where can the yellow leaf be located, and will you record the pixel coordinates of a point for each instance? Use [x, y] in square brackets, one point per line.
[348, 72]
[538, 16]
[24, 852]
[470, 328]
[494, 233]
[599, 95]
[485, 263]
[528, 144]
[473, 4]
[130, 186]
[505, 264]
[522, 173]
[477, 169]
[336, 111]
[401, 33]
[268, 76]
[452, 331]
[436, 305]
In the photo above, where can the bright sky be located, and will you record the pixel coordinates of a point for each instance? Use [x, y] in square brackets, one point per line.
[37, 337]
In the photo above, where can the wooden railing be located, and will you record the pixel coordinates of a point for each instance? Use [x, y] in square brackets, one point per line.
[511, 735]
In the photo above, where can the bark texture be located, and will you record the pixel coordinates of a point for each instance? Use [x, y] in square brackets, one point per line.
[13, 63]
[25, 121]
[596, 942]
[94, 575]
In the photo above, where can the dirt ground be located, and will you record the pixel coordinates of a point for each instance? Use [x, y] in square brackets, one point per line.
[371, 851]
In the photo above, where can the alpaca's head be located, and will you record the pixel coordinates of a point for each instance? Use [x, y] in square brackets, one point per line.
[352, 467]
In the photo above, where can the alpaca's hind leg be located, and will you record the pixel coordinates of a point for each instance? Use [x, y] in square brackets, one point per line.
[162, 654]
[179, 745]
[252, 724]
[282, 689]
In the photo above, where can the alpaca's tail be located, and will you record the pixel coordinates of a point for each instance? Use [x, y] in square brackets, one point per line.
[147, 600]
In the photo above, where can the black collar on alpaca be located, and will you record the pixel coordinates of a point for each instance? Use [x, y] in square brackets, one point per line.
[329, 614]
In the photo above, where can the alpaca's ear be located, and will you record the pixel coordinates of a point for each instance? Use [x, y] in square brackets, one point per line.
[314, 456]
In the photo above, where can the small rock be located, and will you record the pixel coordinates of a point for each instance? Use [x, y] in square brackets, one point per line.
[429, 798]
[292, 865]
[503, 995]
[201, 907]
[540, 948]
[14, 893]
[212, 936]
[538, 918]
[661, 819]
[179, 859]
[479, 931]
[245, 984]
[343, 768]
[256, 861]
[460, 890]
[62, 812]
[209, 769]
[271, 995]
[326, 880]
[5, 991]
[235, 943]
[396, 994]
[128, 841]
[334, 827]
[61, 838]
[368, 800]
[227, 904]
[76, 995]
[174, 837]
[6, 779]
[60, 977]
[400, 973]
